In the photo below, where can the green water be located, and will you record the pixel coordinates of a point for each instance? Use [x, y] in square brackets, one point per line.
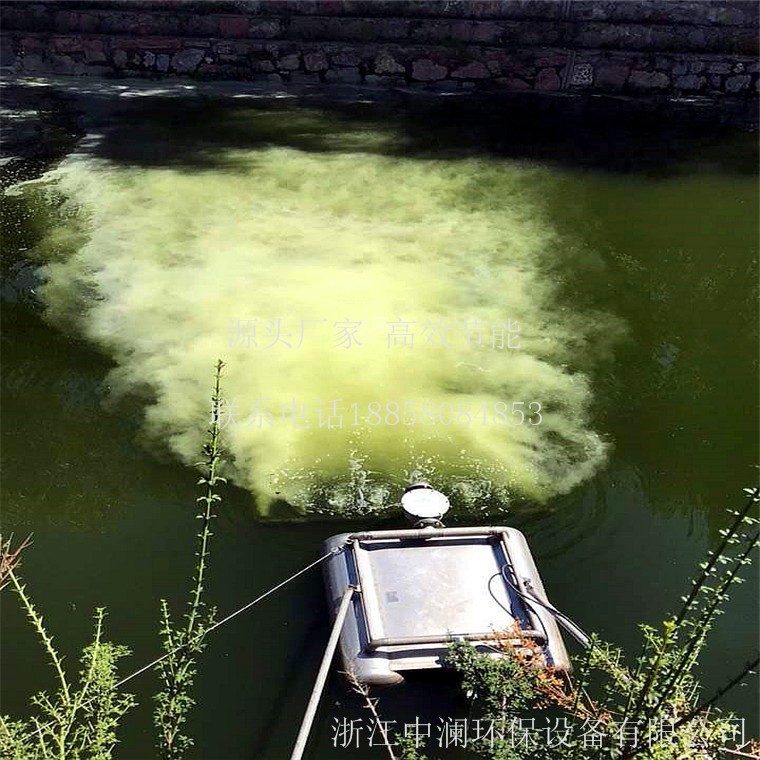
[627, 258]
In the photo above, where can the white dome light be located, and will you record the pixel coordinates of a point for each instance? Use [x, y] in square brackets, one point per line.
[422, 502]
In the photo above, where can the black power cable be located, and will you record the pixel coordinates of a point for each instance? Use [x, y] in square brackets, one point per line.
[574, 630]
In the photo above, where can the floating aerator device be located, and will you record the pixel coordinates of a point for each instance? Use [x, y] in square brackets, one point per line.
[400, 597]
[424, 506]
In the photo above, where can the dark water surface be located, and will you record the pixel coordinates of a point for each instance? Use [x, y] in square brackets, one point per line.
[649, 239]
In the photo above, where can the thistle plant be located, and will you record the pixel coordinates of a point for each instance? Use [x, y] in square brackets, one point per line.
[79, 720]
[183, 644]
[499, 690]
[409, 749]
[370, 703]
[654, 709]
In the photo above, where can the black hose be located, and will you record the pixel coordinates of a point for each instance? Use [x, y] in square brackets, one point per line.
[574, 630]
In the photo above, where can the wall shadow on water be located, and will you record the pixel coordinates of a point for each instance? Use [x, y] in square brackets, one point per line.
[605, 134]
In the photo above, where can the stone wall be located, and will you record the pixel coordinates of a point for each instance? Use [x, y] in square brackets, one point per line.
[657, 48]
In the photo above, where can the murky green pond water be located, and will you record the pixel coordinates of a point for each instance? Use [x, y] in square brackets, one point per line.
[554, 324]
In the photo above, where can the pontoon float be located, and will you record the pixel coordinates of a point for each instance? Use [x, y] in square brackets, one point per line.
[405, 595]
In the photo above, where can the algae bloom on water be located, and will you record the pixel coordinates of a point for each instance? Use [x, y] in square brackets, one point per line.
[380, 315]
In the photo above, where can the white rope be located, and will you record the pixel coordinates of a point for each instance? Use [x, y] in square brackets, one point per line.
[229, 617]
[224, 620]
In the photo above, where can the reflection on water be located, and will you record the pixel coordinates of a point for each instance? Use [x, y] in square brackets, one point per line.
[411, 305]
